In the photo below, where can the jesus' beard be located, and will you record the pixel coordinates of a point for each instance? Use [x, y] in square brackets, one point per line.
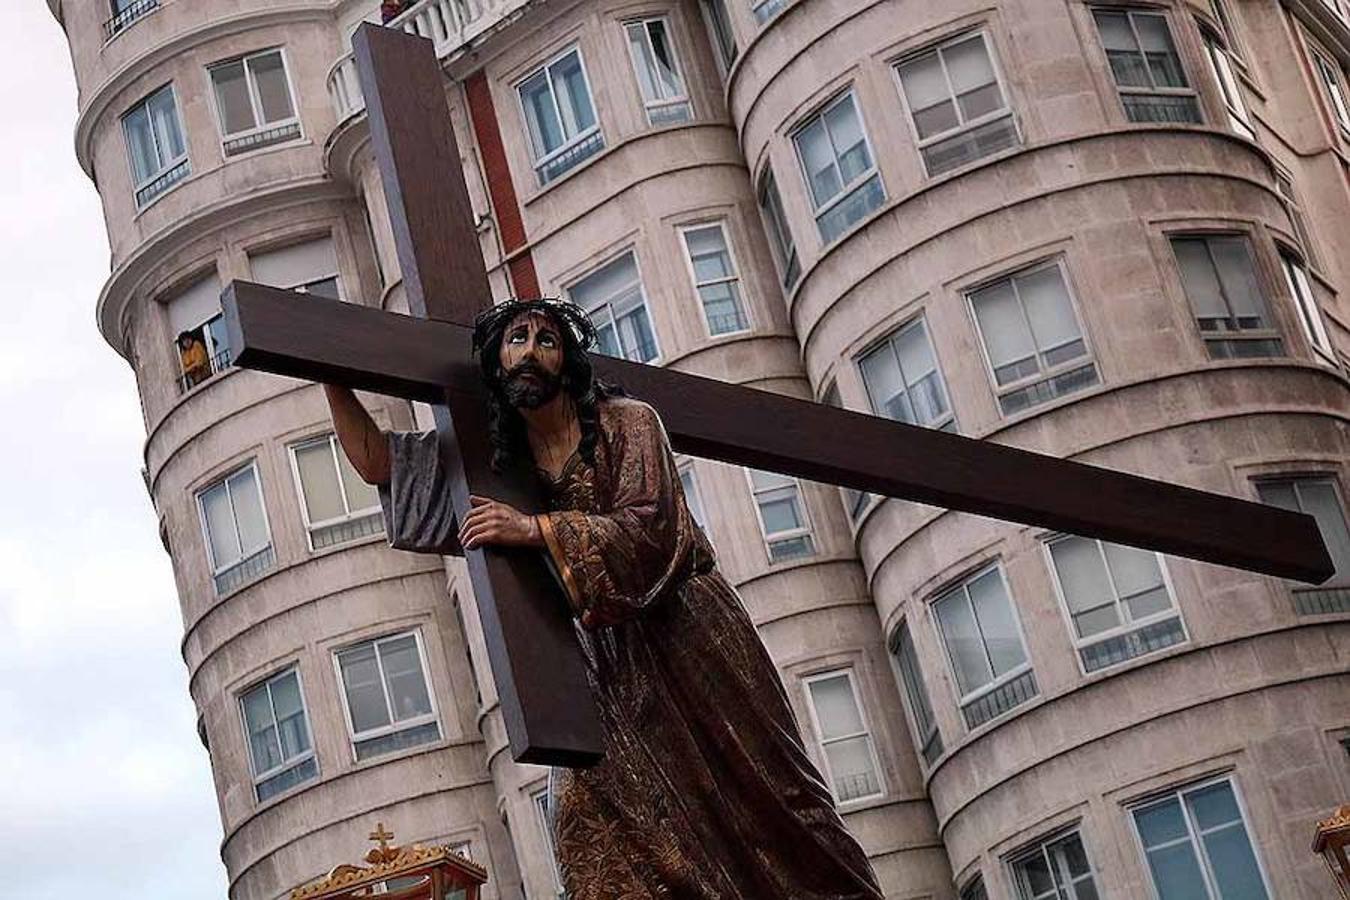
[525, 393]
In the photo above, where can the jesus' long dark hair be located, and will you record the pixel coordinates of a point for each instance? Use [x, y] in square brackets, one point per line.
[506, 427]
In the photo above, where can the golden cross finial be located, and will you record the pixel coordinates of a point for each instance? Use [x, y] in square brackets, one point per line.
[383, 837]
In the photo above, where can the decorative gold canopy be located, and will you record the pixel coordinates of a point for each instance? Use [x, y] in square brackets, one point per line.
[1331, 840]
[439, 865]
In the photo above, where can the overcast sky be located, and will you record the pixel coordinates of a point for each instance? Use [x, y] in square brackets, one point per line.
[103, 784]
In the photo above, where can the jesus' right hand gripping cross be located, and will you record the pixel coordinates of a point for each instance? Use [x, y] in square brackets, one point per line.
[549, 715]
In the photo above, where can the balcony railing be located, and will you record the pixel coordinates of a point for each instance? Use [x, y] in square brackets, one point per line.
[124, 19]
[165, 180]
[449, 24]
[256, 140]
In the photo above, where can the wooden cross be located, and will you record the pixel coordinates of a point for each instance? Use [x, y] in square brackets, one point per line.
[382, 837]
[549, 714]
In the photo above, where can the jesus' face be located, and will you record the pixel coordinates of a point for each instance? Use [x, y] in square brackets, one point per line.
[531, 357]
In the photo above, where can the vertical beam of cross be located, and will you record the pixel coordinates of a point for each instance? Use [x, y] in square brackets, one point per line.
[549, 712]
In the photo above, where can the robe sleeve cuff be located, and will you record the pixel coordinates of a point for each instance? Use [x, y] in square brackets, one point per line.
[555, 550]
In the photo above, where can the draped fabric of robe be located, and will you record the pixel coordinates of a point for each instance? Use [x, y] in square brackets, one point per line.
[705, 790]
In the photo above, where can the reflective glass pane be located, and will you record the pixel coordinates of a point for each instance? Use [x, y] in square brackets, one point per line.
[852, 770]
[540, 116]
[923, 81]
[1160, 823]
[164, 120]
[141, 144]
[361, 682]
[1176, 873]
[220, 526]
[997, 624]
[1318, 499]
[1083, 579]
[818, 156]
[232, 97]
[1002, 325]
[269, 74]
[1233, 863]
[1199, 279]
[574, 98]
[779, 515]
[663, 54]
[248, 511]
[1238, 277]
[319, 482]
[836, 709]
[1048, 307]
[1134, 571]
[359, 494]
[963, 642]
[881, 374]
[708, 253]
[643, 64]
[403, 671]
[290, 712]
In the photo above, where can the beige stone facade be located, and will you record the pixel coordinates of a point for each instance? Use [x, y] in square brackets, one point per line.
[1117, 233]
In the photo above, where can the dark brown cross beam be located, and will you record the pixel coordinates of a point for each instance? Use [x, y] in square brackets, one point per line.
[535, 661]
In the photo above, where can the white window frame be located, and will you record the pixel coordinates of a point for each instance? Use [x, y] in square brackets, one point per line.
[216, 569]
[1220, 60]
[350, 515]
[539, 803]
[821, 742]
[765, 11]
[945, 422]
[1223, 17]
[393, 727]
[287, 764]
[845, 190]
[1006, 112]
[1128, 625]
[1269, 332]
[682, 99]
[1333, 88]
[708, 11]
[784, 246]
[1178, 795]
[923, 739]
[804, 530]
[733, 279]
[1153, 90]
[691, 488]
[1040, 849]
[165, 167]
[541, 162]
[1289, 195]
[997, 681]
[608, 307]
[1305, 302]
[255, 101]
[1089, 356]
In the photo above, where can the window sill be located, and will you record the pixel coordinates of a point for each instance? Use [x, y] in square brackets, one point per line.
[378, 538]
[290, 143]
[150, 204]
[397, 755]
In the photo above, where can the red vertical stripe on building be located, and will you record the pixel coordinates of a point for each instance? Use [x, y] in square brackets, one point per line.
[502, 192]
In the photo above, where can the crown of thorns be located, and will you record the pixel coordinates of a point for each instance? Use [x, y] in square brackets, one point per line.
[566, 313]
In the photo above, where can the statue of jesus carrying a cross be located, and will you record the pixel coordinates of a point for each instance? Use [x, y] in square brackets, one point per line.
[705, 790]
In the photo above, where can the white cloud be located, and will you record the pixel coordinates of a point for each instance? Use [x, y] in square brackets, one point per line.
[105, 784]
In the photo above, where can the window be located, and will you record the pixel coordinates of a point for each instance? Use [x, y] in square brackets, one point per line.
[767, 10]
[715, 278]
[984, 646]
[1318, 498]
[658, 72]
[780, 235]
[782, 517]
[837, 163]
[253, 102]
[906, 662]
[199, 333]
[336, 504]
[1145, 65]
[719, 27]
[384, 690]
[974, 889]
[1332, 81]
[903, 381]
[309, 267]
[1284, 182]
[235, 524]
[1032, 338]
[124, 13]
[155, 145]
[1196, 845]
[613, 298]
[692, 497]
[1230, 34]
[1117, 599]
[855, 502]
[958, 107]
[559, 116]
[544, 818]
[1057, 869]
[1221, 67]
[279, 743]
[1296, 278]
[845, 743]
[1230, 309]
